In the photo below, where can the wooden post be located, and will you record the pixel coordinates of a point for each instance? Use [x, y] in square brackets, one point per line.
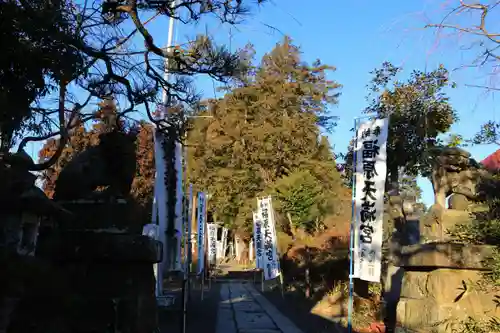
[209, 280]
[202, 284]
[262, 280]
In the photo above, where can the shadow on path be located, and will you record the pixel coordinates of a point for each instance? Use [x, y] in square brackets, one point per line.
[201, 315]
[298, 309]
[294, 306]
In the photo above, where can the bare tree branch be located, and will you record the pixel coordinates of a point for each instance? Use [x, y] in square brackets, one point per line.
[488, 41]
[96, 51]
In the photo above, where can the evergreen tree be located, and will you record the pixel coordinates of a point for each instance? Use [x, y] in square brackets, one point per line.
[263, 131]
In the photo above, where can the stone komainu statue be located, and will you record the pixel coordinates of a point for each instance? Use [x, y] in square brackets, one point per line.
[456, 173]
[111, 163]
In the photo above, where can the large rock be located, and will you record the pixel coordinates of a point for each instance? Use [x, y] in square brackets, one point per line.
[437, 301]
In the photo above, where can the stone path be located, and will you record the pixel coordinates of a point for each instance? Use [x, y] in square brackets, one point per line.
[242, 309]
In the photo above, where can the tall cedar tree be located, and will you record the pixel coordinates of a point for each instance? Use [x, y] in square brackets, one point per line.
[262, 131]
[82, 138]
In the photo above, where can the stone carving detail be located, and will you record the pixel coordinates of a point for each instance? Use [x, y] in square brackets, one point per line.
[455, 173]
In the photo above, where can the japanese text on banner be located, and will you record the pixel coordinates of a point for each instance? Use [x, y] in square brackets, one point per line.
[370, 173]
[270, 262]
[212, 243]
[201, 231]
[258, 241]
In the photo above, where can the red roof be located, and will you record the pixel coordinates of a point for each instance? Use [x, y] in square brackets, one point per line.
[492, 162]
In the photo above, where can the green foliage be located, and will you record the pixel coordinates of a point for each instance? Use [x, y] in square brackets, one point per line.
[300, 194]
[482, 231]
[263, 130]
[455, 140]
[471, 325]
[409, 189]
[488, 134]
[419, 112]
[37, 57]
[479, 232]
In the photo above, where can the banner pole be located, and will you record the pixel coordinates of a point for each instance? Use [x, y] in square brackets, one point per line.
[278, 254]
[262, 279]
[352, 231]
[202, 283]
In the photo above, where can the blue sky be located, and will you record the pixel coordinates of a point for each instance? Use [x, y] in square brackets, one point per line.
[357, 37]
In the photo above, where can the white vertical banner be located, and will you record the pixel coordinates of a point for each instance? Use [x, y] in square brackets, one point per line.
[219, 249]
[212, 243]
[201, 231]
[224, 242]
[237, 246]
[270, 260]
[251, 250]
[159, 214]
[258, 240]
[179, 212]
[370, 173]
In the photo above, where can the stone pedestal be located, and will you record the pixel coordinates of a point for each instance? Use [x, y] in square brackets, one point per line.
[105, 270]
[439, 287]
